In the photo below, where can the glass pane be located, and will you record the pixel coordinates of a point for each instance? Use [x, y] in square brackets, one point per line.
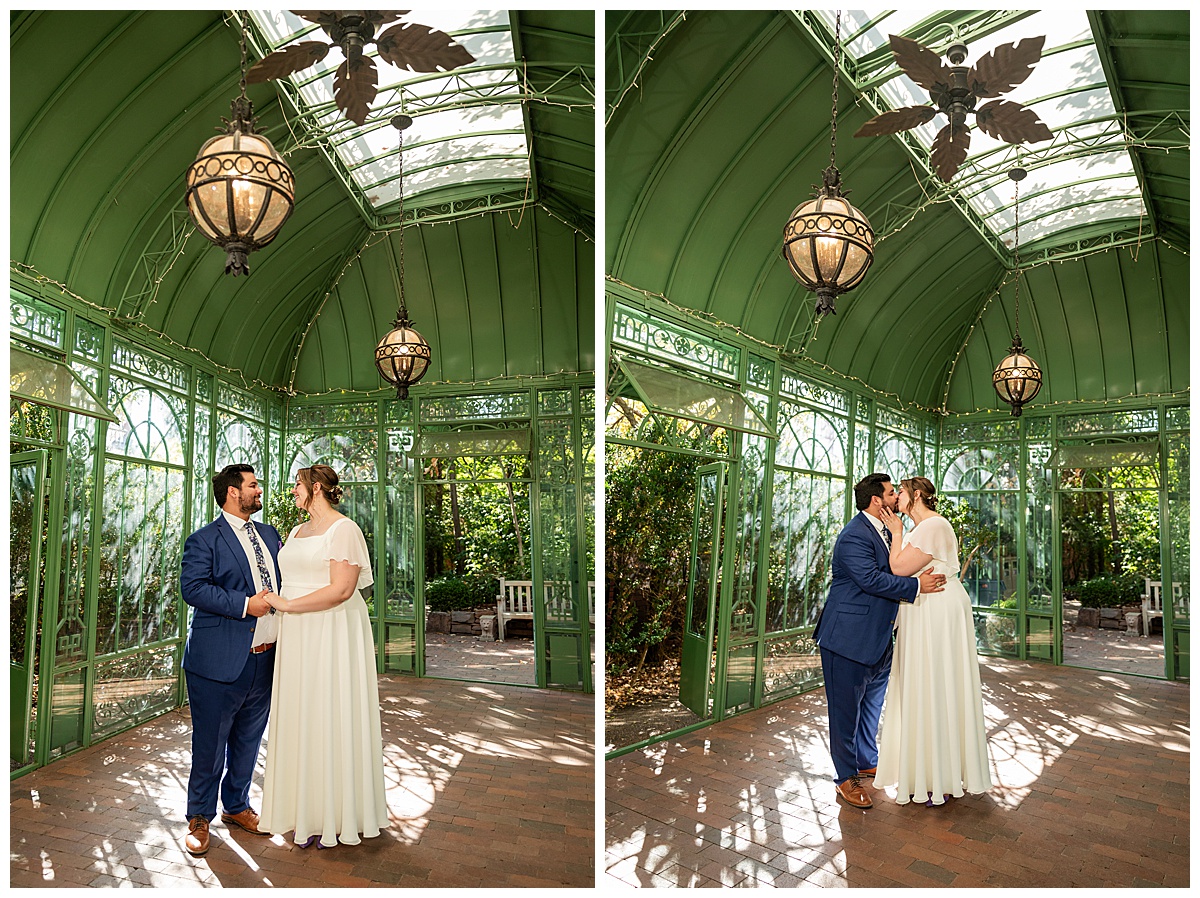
[748, 535]
[140, 555]
[806, 516]
[811, 440]
[696, 400]
[351, 453]
[42, 380]
[134, 688]
[790, 665]
[151, 423]
[70, 639]
[559, 526]
[401, 542]
[359, 504]
[1039, 530]
[996, 634]
[473, 442]
[1179, 512]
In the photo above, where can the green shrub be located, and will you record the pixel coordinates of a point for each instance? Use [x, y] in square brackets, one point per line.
[1110, 592]
[459, 594]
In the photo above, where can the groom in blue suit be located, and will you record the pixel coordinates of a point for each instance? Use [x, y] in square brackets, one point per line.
[229, 659]
[854, 633]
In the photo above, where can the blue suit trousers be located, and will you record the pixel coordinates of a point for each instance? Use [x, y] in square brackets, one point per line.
[228, 720]
[854, 693]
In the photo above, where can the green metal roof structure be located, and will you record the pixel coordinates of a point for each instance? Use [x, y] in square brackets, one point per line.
[718, 126]
[108, 108]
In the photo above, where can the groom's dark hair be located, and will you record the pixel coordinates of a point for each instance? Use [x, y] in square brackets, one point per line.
[230, 475]
[871, 485]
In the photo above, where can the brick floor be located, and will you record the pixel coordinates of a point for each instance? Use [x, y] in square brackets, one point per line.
[487, 786]
[1092, 789]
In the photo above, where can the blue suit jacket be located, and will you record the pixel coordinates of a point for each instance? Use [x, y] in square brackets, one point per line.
[215, 580]
[864, 596]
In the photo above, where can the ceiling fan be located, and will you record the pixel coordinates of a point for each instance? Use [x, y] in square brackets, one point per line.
[408, 45]
[954, 91]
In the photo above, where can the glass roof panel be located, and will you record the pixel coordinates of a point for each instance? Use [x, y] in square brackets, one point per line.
[1086, 172]
[468, 126]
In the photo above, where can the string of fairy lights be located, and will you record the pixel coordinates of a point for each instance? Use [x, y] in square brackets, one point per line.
[707, 318]
[28, 272]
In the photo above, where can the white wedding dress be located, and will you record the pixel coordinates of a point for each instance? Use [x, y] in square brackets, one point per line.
[324, 771]
[933, 737]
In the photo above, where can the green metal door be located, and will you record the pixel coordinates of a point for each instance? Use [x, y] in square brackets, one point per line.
[704, 586]
[28, 496]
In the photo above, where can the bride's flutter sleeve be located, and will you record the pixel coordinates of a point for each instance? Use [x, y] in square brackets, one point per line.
[347, 543]
[936, 537]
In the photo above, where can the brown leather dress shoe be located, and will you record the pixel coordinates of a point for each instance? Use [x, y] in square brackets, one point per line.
[196, 841]
[870, 771]
[247, 820]
[852, 792]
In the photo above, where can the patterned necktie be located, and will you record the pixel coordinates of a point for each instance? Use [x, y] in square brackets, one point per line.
[258, 557]
[887, 538]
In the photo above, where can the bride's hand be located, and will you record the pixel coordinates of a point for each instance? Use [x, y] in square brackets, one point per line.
[276, 601]
[892, 521]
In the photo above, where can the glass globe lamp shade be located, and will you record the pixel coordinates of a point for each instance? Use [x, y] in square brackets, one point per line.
[1017, 378]
[239, 193]
[402, 356]
[829, 245]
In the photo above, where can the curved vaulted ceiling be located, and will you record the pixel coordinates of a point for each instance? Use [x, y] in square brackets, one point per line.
[718, 126]
[107, 110]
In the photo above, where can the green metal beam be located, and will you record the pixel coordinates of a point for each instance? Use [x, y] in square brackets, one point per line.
[630, 52]
[1103, 49]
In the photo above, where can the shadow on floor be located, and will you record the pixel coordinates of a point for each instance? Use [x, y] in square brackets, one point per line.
[1091, 789]
[487, 786]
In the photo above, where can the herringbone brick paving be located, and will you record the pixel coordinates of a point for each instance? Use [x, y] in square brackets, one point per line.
[1091, 789]
[486, 786]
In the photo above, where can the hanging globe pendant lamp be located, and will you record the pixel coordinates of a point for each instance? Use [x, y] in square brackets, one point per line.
[1017, 378]
[829, 244]
[239, 190]
[402, 356]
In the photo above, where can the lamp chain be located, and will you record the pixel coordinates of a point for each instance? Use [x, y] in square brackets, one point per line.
[837, 64]
[243, 81]
[403, 306]
[1017, 259]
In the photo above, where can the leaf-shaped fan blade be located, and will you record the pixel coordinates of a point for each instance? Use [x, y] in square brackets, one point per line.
[920, 64]
[326, 18]
[1005, 67]
[284, 62]
[950, 151]
[420, 48]
[381, 17]
[896, 120]
[1011, 122]
[354, 88]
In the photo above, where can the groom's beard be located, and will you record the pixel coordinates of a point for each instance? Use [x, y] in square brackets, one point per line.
[252, 506]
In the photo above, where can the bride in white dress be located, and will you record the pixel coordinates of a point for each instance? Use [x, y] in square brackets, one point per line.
[324, 771]
[933, 740]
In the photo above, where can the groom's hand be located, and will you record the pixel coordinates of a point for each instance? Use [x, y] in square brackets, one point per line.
[931, 582]
[258, 606]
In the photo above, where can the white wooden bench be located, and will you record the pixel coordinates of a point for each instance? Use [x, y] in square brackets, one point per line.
[515, 602]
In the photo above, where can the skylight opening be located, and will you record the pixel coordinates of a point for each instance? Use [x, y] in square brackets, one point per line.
[468, 125]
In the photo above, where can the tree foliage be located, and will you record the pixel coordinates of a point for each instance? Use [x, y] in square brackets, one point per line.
[649, 501]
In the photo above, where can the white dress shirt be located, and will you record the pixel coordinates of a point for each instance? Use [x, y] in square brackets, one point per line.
[267, 628]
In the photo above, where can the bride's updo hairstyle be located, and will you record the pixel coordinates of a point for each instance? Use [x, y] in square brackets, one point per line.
[921, 488]
[325, 477]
